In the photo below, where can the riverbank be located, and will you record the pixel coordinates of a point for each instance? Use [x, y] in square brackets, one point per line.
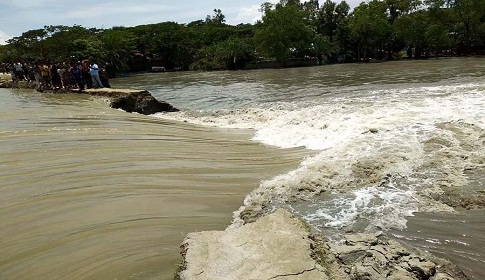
[129, 100]
[280, 246]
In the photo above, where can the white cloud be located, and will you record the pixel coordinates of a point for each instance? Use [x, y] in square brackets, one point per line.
[247, 15]
[101, 11]
[19, 16]
[4, 37]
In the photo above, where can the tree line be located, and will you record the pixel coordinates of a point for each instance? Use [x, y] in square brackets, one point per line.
[330, 32]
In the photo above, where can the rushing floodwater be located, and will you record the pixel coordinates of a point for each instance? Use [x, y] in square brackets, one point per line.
[88, 192]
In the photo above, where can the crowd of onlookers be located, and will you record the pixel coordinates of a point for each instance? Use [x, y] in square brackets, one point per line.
[78, 75]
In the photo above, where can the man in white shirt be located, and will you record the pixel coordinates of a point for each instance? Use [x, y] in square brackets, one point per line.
[94, 71]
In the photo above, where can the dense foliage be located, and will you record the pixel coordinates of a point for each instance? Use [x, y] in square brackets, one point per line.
[376, 29]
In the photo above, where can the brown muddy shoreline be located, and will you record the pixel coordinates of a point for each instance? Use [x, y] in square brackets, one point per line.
[137, 101]
[280, 246]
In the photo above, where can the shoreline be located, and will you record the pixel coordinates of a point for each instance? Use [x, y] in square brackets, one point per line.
[129, 100]
[281, 246]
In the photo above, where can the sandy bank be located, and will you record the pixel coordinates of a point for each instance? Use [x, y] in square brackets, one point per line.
[279, 246]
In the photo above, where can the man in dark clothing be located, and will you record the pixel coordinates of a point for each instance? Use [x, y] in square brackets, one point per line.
[77, 73]
[103, 76]
[55, 77]
[85, 74]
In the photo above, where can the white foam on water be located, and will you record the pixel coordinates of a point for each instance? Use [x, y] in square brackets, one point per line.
[358, 137]
[377, 208]
[322, 126]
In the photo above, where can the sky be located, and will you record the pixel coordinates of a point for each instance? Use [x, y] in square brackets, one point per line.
[18, 16]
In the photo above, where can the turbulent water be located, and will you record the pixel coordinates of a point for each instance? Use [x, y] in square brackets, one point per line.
[88, 192]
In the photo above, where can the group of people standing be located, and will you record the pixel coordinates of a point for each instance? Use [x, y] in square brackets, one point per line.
[79, 74]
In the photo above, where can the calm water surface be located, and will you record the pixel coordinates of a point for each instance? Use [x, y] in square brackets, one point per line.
[88, 192]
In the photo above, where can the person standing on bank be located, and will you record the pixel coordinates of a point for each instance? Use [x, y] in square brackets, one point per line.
[94, 71]
[87, 80]
[77, 74]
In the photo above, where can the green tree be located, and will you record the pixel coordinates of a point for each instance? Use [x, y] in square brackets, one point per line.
[117, 47]
[209, 58]
[471, 18]
[285, 31]
[312, 10]
[8, 53]
[413, 29]
[397, 8]
[230, 54]
[323, 47]
[437, 38]
[60, 40]
[217, 19]
[331, 16]
[52, 43]
[331, 24]
[30, 45]
[369, 28]
[91, 48]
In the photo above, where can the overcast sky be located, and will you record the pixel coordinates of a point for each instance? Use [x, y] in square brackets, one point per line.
[18, 16]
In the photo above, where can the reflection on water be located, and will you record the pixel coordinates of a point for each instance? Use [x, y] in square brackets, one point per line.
[93, 193]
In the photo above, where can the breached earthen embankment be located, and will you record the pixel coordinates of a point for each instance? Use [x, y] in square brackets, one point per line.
[280, 246]
[129, 100]
[138, 101]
